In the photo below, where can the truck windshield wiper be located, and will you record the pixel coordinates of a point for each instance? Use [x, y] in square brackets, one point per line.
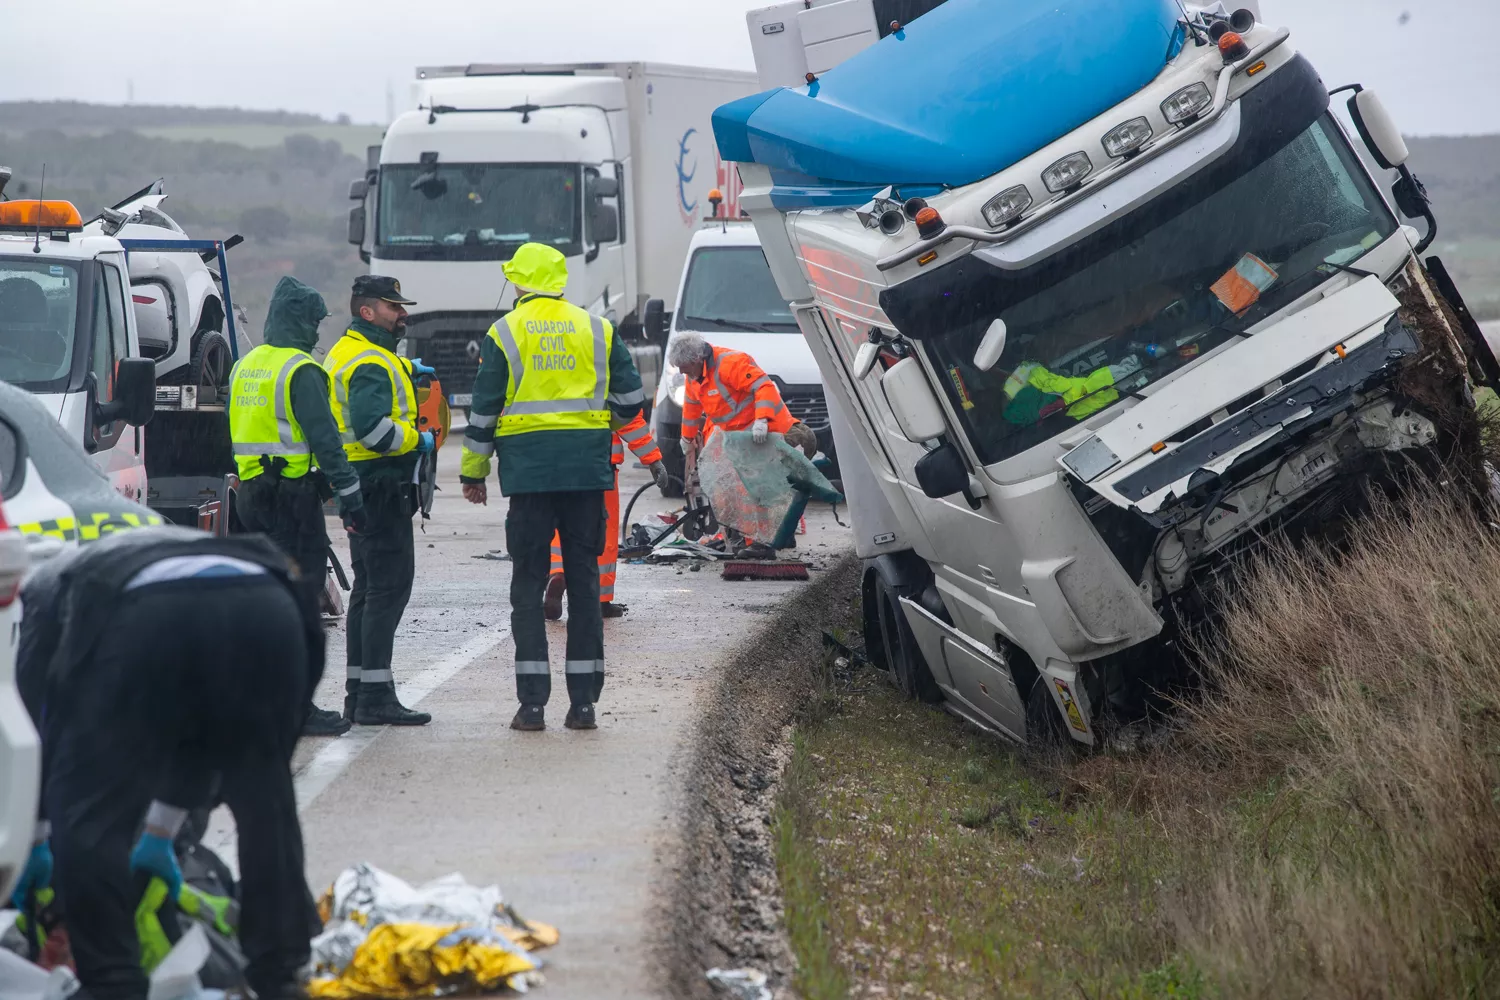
[735, 324]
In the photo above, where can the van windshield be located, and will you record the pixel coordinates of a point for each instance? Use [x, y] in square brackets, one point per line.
[38, 315]
[731, 288]
[1118, 311]
[478, 210]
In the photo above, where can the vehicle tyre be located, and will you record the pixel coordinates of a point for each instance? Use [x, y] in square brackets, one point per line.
[908, 667]
[1045, 728]
[211, 361]
[670, 443]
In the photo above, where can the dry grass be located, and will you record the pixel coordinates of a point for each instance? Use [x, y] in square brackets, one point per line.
[1325, 821]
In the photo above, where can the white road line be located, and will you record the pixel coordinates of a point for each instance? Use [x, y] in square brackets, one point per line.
[335, 757]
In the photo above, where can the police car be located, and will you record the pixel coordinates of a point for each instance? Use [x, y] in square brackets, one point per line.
[54, 498]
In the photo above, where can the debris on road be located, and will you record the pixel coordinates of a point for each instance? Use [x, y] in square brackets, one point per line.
[746, 569]
[741, 984]
[383, 938]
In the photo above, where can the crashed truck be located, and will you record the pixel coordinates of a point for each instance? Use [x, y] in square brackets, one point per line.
[1105, 295]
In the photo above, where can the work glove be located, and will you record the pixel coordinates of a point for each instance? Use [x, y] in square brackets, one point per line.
[426, 442]
[154, 855]
[37, 874]
[356, 521]
[659, 473]
[417, 368]
[760, 431]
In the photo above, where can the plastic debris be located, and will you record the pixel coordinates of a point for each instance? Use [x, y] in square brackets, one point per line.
[741, 984]
[747, 483]
[176, 977]
[384, 938]
[21, 980]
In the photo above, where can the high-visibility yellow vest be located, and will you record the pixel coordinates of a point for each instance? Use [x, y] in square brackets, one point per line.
[351, 352]
[557, 356]
[261, 422]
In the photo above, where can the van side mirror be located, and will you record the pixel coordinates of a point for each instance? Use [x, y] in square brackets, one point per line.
[655, 321]
[1378, 129]
[941, 472]
[916, 409]
[135, 394]
[357, 225]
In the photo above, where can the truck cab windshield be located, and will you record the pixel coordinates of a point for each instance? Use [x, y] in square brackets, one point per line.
[38, 316]
[477, 210]
[1122, 309]
[731, 288]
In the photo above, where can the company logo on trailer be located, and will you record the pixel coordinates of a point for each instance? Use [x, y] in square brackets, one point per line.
[726, 179]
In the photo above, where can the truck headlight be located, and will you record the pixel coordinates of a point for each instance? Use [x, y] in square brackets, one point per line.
[1068, 172]
[1186, 104]
[676, 386]
[1006, 206]
[1126, 138]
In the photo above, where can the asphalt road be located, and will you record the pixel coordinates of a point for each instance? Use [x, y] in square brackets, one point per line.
[572, 826]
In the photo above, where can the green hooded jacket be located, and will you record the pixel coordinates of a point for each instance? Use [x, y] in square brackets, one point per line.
[292, 321]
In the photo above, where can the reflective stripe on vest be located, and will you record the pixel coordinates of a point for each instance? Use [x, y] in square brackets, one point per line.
[346, 357]
[551, 383]
[736, 407]
[261, 422]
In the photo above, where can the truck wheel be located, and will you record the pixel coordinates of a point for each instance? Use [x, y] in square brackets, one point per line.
[211, 361]
[908, 667]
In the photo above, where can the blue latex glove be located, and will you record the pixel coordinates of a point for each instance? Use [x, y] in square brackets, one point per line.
[417, 368]
[426, 442]
[36, 875]
[155, 855]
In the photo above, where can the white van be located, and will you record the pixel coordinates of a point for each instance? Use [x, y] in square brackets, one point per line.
[728, 297]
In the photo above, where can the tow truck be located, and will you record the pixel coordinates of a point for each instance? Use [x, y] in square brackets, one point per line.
[1105, 295]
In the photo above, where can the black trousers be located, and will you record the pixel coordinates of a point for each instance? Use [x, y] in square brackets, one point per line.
[290, 513]
[384, 562]
[198, 678]
[579, 518]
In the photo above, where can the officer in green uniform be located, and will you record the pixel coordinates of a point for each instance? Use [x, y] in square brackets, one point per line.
[552, 381]
[375, 406]
[280, 422]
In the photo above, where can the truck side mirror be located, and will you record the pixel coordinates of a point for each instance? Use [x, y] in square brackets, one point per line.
[941, 472]
[604, 187]
[1378, 129]
[655, 321]
[357, 189]
[912, 403]
[357, 225]
[135, 394]
[604, 224]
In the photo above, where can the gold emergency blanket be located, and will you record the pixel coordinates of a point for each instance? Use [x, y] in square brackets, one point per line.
[421, 960]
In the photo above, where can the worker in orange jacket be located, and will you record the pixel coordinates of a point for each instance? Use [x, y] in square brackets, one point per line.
[727, 390]
[637, 435]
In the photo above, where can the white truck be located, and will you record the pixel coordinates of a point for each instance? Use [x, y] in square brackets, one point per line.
[609, 162]
[1104, 295]
[728, 297]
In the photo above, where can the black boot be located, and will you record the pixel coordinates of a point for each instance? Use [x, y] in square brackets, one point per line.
[581, 717]
[376, 705]
[609, 609]
[324, 722]
[530, 719]
[351, 696]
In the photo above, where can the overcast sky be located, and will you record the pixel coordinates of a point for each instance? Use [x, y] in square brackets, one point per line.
[1432, 60]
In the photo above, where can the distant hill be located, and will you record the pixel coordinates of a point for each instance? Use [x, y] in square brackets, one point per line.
[24, 116]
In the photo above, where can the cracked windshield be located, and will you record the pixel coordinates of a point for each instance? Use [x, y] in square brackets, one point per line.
[38, 310]
[1175, 287]
[731, 288]
[479, 205]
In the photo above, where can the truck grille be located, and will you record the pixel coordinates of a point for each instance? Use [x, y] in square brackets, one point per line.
[448, 352]
[807, 404]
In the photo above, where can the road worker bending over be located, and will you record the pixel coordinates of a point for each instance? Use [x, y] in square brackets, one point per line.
[152, 661]
[552, 381]
[727, 390]
[638, 436]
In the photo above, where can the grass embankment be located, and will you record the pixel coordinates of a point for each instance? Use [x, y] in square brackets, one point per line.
[1325, 823]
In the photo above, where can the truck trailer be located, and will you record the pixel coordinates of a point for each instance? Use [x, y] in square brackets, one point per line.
[611, 163]
[1105, 295]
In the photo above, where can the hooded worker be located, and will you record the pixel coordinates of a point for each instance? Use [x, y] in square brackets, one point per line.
[287, 448]
[552, 381]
